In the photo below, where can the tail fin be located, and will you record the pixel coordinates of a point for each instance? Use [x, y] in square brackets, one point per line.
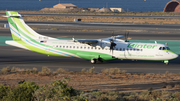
[19, 29]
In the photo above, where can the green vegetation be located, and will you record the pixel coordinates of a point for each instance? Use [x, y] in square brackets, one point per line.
[59, 90]
[23, 92]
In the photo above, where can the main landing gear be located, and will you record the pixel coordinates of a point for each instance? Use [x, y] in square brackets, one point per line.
[94, 61]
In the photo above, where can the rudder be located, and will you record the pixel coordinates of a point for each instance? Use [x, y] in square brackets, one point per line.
[13, 15]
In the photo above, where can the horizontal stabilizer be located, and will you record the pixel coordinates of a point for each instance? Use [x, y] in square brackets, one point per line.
[13, 15]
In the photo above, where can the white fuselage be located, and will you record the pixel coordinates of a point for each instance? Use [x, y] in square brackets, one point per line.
[122, 50]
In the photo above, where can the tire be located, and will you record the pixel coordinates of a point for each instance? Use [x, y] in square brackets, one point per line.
[93, 61]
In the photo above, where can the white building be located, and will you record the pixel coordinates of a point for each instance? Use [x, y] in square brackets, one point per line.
[117, 10]
[65, 5]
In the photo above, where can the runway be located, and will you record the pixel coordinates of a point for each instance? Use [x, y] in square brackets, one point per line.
[102, 25]
[12, 56]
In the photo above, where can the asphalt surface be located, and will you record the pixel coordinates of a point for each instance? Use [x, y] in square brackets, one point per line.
[102, 25]
[12, 56]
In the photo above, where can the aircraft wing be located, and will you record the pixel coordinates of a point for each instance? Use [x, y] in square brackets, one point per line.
[113, 37]
[95, 41]
[87, 41]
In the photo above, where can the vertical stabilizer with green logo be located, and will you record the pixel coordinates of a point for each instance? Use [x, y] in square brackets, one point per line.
[19, 29]
[26, 38]
[13, 16]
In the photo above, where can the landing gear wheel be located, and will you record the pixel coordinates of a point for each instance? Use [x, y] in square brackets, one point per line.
[166, 62]
[93, 61]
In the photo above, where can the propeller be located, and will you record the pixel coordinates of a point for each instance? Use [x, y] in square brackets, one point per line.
[126, 36]
[112, 45]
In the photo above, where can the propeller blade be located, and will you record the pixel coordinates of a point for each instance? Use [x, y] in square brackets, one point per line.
[126, 36]
[113, 34]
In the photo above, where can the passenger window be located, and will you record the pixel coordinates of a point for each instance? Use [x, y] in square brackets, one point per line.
[66, 46]
[59, 46]
[84, 47]
[70, 47]
[77, 47]
[63, 46]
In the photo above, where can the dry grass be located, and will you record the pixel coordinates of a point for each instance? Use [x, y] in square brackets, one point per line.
[45, 71]
[91, 70]
[111, 71]
[5, 70]
[111, 79]
[140, 20]
[61, 70]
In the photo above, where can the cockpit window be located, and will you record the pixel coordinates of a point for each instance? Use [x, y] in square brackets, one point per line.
[168, 48]
[164, 48]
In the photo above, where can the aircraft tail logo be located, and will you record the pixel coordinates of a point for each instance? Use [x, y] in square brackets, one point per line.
[19, 29]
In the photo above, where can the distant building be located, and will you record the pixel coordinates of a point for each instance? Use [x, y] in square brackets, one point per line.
[65, 5]
[93, 9]
[172, 6]
[117, 9]
[104, 10]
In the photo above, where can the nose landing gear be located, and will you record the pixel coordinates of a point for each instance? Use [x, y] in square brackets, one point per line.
[166, 62]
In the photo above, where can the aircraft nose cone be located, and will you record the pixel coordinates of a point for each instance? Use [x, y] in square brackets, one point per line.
[175, 56]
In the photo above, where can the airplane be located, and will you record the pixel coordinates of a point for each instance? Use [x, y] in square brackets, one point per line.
[95, 50]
